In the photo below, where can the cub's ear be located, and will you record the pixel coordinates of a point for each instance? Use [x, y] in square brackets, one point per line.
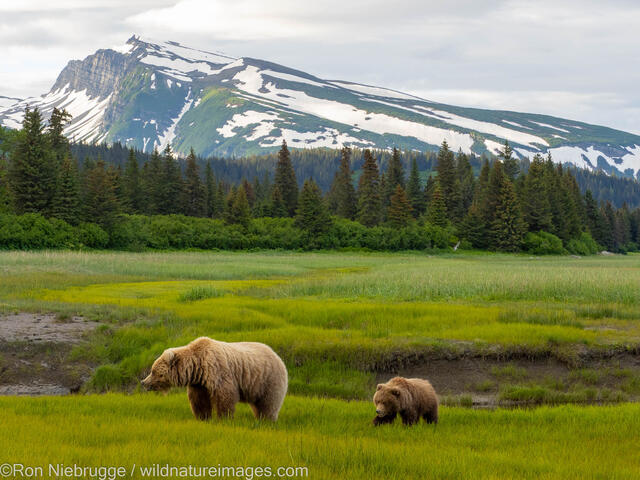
[379, 386]
[395, 392]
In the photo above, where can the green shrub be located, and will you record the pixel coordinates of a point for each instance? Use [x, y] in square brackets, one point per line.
[584, 245]
[543, 243]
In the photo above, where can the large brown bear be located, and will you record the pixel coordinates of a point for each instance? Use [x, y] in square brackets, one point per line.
[219, 375]
[412, 398]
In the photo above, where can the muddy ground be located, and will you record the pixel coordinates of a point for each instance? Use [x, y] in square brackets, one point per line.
[482, 382]
[34, 354]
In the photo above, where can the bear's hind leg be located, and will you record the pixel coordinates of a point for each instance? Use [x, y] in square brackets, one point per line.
[431, 417]
[200, 400]
[409, 418]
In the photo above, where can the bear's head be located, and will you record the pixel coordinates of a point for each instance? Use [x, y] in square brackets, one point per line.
[387, 399]
[163, 375]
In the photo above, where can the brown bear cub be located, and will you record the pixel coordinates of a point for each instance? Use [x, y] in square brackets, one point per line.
[412, 398]
[219, 375]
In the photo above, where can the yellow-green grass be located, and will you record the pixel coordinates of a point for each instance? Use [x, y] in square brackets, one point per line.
[334, 317]
[333, 439]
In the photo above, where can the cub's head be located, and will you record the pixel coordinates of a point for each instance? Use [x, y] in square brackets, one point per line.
[162, 376]
[387, 399]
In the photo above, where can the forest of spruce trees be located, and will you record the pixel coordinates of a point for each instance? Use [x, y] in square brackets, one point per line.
[50, 198]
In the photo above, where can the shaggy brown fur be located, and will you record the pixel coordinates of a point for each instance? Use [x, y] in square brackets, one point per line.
[412, 398]
[219, 374]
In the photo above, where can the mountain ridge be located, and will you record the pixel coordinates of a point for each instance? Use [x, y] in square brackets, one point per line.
[148, 94]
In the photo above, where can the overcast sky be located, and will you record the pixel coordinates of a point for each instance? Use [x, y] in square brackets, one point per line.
[575, 59]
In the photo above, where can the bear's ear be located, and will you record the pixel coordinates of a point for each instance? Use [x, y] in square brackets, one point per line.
[395, 391]
[379, 386]
[170, 356]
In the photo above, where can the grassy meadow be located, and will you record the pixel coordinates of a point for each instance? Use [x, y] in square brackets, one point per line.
[340, 321]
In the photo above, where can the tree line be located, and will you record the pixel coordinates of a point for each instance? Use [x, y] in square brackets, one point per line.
[508, 205]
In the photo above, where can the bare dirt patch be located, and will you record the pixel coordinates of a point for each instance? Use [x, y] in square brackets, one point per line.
[34, 354]
[481, 382]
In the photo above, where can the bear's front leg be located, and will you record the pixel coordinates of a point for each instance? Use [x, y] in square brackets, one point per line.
[409, 417]
[200, 400]
[382, 420]
[225, 400]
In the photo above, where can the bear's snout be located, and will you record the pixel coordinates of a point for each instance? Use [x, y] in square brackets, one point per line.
[146, 382]
[379, 412]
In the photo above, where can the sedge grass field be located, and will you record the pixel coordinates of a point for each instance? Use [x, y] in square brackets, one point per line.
[336, 319]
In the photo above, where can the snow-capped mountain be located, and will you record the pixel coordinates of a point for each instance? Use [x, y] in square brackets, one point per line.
[6, 102]
[148, 94]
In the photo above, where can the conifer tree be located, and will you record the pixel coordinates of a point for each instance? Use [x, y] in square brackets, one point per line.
[414, 190]
[447, 180]
[492, 193]
[393, 177]
[251, 195]
[508, 228]
[194, 191]
[239, 212]
[510, 164]
[473, 228]
[278, 207]
[312, 214]
[369, 201]
[595, 225]
[285, 179]
[219, 201]
[32, 174]
[437, 209]
[133, 193]
[535, 202]
[100, 203]
[5, 197]
[464, 173]
[153, 184]
[210, 188]
[399, 210]
[59, 144]
[343, 194]
[172, 184]
[66, 202]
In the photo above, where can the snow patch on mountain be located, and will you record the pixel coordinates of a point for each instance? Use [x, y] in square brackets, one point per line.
[170, 133]
[376, 91]
[251, 81]
[6, 102]
[242, 120]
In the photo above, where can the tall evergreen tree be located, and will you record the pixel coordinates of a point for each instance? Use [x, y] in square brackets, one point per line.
[58, 142]
[5, 196]
[194, 191]
[100, 203]
[32, 174]
[508, 228]
[473, 228]
[369, 201]
[171, 199]
[464, 173]
[312, 214]
[448, 185]
[414, 190]
[595, 225]
[210, 190]
[278, 207]
[285, 179]
[535, 202]
[66, 201]
[133, 193]
[399, 210]
[437, 209]
[343, 194]
[239, 212]
[153, 184]
[510, 164]
[393, 177]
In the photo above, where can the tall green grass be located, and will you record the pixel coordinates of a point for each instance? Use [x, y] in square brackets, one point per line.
[333, 439]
